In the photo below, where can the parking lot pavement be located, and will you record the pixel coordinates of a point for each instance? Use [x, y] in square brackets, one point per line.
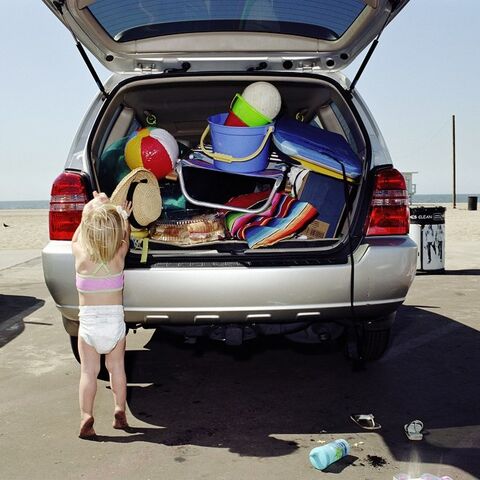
[206, 413]
[10, 258]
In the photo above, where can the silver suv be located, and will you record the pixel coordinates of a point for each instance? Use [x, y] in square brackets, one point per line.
[180, 62]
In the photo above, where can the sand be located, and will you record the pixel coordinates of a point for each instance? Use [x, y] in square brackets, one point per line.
[462, 224]
[462, 239]
[28, 230]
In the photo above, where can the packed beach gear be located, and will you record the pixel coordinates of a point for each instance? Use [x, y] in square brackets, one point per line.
[256, 176]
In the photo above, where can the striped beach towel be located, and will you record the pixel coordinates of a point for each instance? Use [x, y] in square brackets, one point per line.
[282, 220]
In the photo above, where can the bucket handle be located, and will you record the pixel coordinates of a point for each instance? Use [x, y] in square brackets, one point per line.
[234, 99]
[223, 157]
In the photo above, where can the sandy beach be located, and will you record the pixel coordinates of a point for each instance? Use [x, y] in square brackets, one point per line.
[27, 233]
[28, 229]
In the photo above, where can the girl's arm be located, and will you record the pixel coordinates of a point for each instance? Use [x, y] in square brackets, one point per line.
[76, 246]
[126, 239]
[125, 210]
[76, 234]
[98, 199]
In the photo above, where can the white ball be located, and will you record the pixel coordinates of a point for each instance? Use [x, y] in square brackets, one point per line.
[263, 97]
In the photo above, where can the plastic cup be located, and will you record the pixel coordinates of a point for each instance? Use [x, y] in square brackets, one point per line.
[233, 121]
[247, 114]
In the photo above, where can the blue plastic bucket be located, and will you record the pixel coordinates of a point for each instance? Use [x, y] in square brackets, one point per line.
[239, 142]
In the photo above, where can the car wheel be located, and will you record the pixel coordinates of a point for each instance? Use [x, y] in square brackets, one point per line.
[375, 343]
[74, 346]
[103, 374]
[71, 326]
[372, 340]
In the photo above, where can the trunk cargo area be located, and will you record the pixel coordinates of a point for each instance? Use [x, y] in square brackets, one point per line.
[210, 209]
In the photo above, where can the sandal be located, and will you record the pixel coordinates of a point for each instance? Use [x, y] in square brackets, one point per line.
[365, 421]
[413, 430]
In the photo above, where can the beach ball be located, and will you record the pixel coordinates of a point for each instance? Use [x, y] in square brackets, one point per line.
[264, 97]
[154, 149]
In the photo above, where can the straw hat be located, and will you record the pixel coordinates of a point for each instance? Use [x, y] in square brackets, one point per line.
[141, 188]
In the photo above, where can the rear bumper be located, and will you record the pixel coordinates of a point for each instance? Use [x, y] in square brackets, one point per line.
[384, 269]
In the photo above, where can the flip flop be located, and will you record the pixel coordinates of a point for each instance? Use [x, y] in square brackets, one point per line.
[365, 421]
[413, 430]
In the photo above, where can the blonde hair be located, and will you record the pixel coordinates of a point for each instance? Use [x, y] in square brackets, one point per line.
[102, 232]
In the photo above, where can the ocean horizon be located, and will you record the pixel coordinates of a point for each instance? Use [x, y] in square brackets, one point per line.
[442, 197]
[25, 205]
[417, 198]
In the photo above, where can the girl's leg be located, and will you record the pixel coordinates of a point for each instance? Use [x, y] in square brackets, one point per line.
[89, 368]
[115, 363]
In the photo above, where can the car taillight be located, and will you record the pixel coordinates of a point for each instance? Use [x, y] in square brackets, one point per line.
[389, 211]
[68, 197]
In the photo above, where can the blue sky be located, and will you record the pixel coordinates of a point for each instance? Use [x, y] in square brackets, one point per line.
[425, 69]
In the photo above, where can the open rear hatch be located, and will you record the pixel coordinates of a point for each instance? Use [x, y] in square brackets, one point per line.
[136, 36]
[190, 58]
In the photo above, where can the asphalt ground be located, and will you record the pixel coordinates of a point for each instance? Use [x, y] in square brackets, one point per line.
[206, 412]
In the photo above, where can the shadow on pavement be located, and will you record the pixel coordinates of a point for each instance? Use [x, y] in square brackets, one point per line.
[467, 271]
[207, 397]
[13, 310]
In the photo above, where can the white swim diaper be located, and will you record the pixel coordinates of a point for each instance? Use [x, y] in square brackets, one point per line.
[102, 326]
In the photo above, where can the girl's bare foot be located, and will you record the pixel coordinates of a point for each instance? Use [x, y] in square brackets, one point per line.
[86, 429]
[120, 420]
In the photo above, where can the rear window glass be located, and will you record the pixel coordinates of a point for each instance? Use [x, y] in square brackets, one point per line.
[127, 20]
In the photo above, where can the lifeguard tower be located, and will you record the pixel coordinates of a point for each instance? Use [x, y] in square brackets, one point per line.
[411, 187]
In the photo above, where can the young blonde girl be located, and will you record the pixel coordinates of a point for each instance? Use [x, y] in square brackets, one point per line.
[99, 246]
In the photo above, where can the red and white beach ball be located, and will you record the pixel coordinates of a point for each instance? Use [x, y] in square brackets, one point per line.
[154, 149]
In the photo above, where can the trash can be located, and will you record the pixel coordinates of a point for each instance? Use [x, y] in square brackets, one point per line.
[427, 230]
[472, 203]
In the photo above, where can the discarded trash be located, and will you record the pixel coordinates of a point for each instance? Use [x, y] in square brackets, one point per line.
[365, 420]
[413, 430]
[322, 457]
[376, 461]
[425, 476]
[358, 444]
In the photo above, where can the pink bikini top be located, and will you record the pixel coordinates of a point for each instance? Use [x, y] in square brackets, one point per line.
[99, 284]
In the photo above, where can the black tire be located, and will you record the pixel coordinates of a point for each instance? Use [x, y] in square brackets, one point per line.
[371, 340]
[103, 374]
[375, 343]
[74, 346]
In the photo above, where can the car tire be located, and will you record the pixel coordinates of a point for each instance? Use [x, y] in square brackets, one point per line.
[375, 343]
[103, 374]
[74, 347]
[372, 339]
[71, 326]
